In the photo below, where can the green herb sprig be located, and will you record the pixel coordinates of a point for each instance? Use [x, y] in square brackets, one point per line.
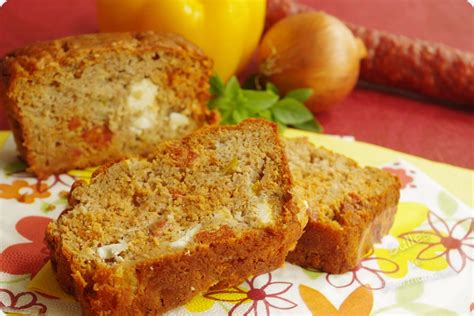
[235, 104]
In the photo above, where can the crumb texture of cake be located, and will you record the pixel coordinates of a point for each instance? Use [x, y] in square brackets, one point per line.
[102, 97]
[350, 207]
[207, 211]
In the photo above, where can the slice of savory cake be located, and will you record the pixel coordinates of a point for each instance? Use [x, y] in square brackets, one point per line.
[85, 100]
[350, 207]
[205, 211]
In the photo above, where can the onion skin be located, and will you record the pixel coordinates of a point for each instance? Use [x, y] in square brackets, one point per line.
[312, 50]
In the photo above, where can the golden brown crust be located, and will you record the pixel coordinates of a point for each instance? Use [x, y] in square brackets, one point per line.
[70, 50]
[335, 250]
[169, 282]
[14, 120]
[13, 114]
[337, 241]
[23, 68]
[223, 257]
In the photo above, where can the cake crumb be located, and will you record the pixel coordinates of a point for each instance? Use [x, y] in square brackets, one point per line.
[130, 199]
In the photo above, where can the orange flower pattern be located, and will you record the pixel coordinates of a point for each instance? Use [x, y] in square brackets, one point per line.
[420, 243]
[359, 302]
[406, 180]
[24, 192]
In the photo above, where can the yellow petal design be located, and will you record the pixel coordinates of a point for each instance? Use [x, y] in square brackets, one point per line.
[402, 258]
[409, 216]
[84, 174]
[45, 282]
[201, 304]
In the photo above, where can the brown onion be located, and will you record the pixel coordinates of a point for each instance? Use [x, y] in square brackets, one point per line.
[312, 50]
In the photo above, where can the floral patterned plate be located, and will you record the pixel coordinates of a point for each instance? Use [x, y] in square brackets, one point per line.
[424, 266]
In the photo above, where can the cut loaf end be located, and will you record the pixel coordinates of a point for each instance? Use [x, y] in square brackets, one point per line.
[86, 100]
[350, 207]
[206, 211]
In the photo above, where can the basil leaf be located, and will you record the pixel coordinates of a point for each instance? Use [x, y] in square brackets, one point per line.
[213, 103]
[281, 127]
[272, 88]
[311, 125]
[232, 88]
[219, 103]
[216, 86]
[236, 104]
[257, 101]
[226, 117]
[266, 115]
[239, 115]
[289, 111]
[300, 94]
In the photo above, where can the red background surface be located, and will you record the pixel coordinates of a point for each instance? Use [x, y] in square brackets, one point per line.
[418, 127]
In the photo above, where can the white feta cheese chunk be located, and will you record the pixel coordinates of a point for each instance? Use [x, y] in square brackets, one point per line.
[264, 212]
[142, 94]
[144, 121]
[177, 120]
[111, 251]
[141, 101]
[306, 204]
[187, 238]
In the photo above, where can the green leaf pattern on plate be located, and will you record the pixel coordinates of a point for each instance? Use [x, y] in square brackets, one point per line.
[409, 291]
[447, 204]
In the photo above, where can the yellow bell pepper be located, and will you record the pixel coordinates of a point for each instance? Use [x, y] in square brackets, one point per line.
[227, 30]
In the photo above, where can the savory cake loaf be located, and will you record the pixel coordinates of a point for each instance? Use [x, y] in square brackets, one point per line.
[350, 208]
[86, 100]
[206, 211]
